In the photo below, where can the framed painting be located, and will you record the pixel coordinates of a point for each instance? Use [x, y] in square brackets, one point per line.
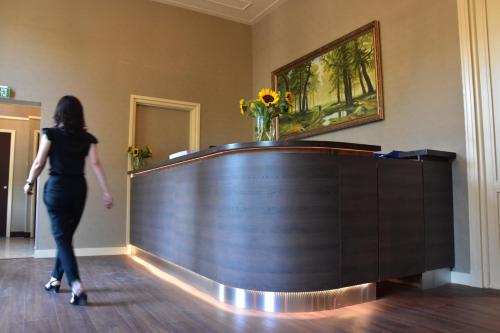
[336, 86]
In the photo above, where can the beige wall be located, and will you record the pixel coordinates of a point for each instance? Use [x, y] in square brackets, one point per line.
[23, 156]
[104, 51]
[165, 131]
[421, 72]
[14, 108]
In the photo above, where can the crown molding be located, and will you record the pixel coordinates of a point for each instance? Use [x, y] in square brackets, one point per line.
[242, 11]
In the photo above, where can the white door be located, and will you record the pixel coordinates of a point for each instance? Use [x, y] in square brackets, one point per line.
[491, 126]
[5, 177]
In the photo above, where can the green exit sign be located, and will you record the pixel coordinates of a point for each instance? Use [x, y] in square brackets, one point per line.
[4, 91]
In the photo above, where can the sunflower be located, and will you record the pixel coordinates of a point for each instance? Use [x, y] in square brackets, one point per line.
[242, 106]
[135, 152]
[288, 97]
[268, 97]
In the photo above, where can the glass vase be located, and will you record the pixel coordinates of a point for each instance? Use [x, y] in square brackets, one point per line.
[264, 128]
[137, 163]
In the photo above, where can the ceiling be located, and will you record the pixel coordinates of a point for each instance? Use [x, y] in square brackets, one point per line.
[243, 11]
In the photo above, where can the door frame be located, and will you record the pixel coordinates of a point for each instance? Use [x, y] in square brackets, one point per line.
[194, 131]
[483, 184]
[11, 178]
[34, 197]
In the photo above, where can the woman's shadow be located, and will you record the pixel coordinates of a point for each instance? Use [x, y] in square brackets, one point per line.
[128, 297]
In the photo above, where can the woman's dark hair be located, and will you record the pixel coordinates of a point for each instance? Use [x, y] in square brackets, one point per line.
[69, 114]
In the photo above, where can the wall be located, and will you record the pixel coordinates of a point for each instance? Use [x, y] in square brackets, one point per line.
[421, 76]
[16, 108]
[104, 51]
[22, 159]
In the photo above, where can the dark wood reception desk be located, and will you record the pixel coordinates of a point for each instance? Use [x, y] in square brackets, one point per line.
[303, 216]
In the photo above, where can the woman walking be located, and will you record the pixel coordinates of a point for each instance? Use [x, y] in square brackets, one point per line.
[66, 145]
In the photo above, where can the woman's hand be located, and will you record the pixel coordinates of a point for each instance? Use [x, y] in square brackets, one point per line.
[108, 200]
[28, 189]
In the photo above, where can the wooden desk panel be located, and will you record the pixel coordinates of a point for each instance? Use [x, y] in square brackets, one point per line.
[262, 221]
[438, 210]
[359, 220]
[295, 218]
[401, 218]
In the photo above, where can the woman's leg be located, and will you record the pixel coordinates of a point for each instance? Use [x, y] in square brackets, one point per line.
[59, 201]
[58, 271]
[78, 297]
[63, 235]
[65, 200]
[79, 196]
[54, 283]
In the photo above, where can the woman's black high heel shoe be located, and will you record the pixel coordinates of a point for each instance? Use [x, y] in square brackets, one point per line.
[80, 299]
[53, 286]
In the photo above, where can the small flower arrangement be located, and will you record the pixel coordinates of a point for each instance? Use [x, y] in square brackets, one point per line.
[137, 156]
[268, 105]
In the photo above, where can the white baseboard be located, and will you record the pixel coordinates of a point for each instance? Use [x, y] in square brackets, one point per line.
[465, 279]
[495, 286]
[471, 280]
[85, 252]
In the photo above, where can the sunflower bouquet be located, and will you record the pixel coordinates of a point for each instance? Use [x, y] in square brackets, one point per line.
[137, 156]
[269, 105]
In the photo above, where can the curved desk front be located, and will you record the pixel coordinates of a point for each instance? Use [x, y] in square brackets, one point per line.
[292, 218]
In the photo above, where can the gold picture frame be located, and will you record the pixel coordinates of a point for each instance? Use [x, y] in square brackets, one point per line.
[336, 86]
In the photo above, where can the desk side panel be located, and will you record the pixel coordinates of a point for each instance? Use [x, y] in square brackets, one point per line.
[401, 218]
[438, 209]
[359, 220]
[263, 220]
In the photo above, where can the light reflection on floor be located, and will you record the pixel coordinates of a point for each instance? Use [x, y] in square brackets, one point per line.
[234, 310]
[16, 247]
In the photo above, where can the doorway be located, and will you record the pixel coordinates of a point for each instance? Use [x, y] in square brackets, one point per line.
[7, 144]
[19, 122]
[161, 116]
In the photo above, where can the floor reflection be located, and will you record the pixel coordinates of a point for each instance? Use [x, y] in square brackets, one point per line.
[16, 247]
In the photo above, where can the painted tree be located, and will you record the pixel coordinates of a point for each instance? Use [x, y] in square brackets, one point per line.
[357, 60]
[339, 62]
[313, 83]
[295, 79]
[304, 72]
[334, 74]
[349, 62]
[362, 59]
[342, 63]
[299, 82]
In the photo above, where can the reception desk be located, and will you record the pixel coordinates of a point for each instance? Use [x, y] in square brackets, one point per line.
[294, 219]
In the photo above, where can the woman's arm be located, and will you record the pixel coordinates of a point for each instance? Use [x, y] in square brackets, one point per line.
[101, 177]
[38, 164]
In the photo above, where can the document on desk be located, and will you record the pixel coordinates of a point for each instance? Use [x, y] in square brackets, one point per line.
[180, 153]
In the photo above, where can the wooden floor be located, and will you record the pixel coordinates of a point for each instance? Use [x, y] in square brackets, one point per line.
[126, 298]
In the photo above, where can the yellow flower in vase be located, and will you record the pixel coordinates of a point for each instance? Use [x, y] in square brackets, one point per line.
[138, 155]
[268, 106]
[268, 97]
[242, 106]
